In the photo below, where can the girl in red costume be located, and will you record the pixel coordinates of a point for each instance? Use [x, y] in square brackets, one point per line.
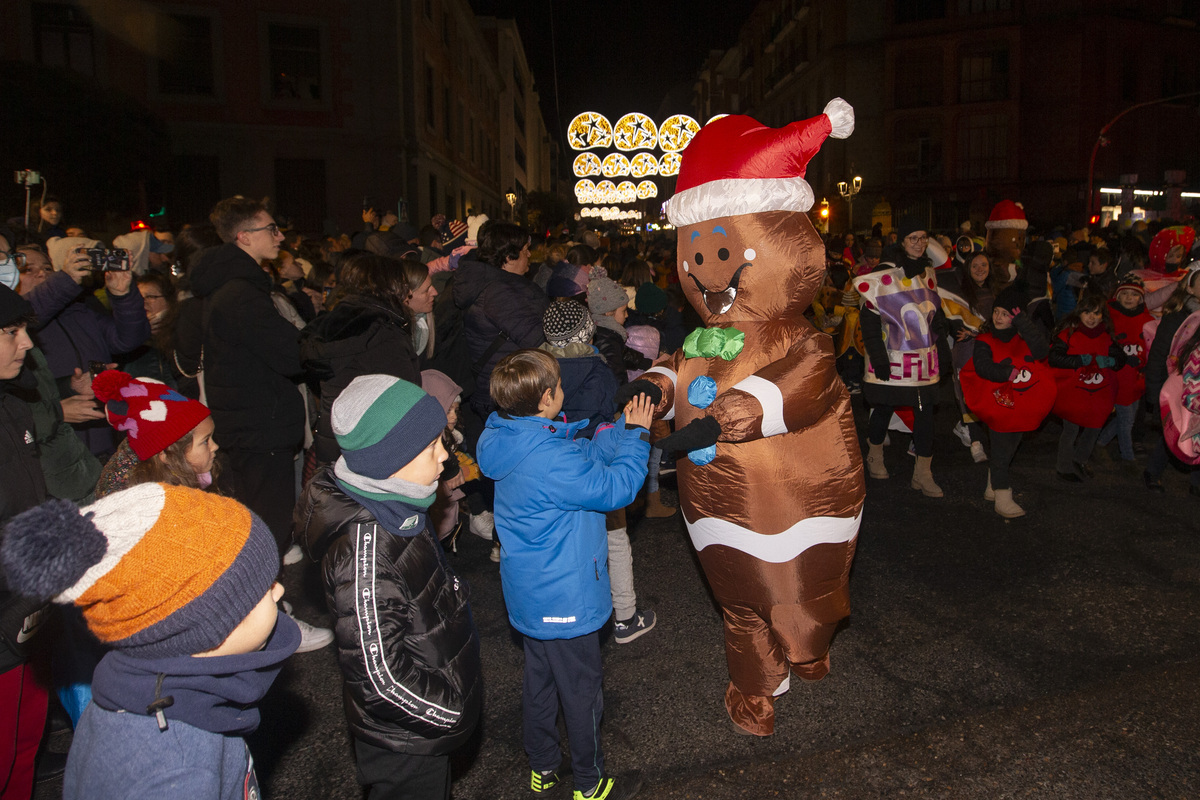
[1129, 316]
[1009, 386]
[1087, 359]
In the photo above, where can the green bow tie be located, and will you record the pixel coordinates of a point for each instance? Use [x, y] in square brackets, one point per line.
[725, 343]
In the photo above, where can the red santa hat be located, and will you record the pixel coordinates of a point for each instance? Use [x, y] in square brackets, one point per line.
[737, 165]
[1007, 214]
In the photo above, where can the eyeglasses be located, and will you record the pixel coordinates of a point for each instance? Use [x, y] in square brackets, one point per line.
[915, 239]
[152, 297]
[12, 258]
[272, 228]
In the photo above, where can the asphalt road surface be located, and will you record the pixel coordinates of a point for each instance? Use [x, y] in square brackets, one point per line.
[1051, 656]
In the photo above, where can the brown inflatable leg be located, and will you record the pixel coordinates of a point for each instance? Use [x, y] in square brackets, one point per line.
[757, 667]
[804, 637]
[753, 714]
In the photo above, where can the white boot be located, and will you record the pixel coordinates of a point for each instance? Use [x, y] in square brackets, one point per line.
[1006, 506]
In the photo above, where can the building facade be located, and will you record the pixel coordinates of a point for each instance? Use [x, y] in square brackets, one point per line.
[961, 103]
[322, 105]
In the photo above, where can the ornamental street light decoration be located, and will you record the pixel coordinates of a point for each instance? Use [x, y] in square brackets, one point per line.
[1102, 141]
[511, 197]
[634, 131]
[847, 191]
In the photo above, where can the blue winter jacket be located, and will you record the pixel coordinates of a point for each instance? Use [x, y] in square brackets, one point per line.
[551, 494]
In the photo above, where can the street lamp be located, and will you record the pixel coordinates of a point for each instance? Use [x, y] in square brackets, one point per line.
[847, 191]
[511, 197]
[1102, 141]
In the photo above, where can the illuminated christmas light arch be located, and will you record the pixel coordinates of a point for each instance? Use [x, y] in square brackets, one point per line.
[586, 164]
[615, 165]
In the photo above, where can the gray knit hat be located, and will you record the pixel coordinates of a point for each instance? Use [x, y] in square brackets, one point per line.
[566, 322]
[605, 295]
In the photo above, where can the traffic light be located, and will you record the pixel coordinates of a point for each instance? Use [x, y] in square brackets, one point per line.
[824, 211]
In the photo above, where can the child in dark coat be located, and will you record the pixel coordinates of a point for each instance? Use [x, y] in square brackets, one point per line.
[588, 384]
[191, 652]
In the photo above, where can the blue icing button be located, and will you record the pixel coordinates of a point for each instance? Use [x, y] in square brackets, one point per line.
[704, 454]
[701, 392]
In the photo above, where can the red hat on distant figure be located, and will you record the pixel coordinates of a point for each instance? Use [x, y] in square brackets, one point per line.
[737, 165]
[1007, 214]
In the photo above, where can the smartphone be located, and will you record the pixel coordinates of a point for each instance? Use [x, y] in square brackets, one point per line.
[96, 367]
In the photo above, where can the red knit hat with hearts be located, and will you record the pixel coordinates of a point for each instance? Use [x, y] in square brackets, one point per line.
[154, 415]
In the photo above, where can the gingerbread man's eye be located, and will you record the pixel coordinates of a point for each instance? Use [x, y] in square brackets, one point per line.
[699, 258]
[723, 254]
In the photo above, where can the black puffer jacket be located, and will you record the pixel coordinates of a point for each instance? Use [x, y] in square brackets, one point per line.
[21, 487]
[359, 336]
[251, 355]
[420, 688]
[495, 302]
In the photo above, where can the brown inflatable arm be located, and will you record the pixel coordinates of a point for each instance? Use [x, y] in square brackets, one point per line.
[786, 395]
[664, 374]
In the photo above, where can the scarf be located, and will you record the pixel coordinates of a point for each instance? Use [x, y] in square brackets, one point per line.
[216, 694]
[399, 506]
[605, 321]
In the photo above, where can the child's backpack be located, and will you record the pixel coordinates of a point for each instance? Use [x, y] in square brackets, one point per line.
[1181, 426]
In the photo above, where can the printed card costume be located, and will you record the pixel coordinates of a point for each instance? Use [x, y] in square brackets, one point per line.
[772, 491]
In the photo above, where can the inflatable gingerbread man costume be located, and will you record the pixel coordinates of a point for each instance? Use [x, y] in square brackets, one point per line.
[772, 490]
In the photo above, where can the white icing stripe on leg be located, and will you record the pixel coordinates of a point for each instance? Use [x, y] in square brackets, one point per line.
[674, 382]
[771, 400]
[775, 548]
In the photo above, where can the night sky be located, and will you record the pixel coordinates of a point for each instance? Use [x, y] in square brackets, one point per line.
[617, 57]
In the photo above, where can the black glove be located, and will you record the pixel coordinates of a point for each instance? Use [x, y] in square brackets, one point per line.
[883, 372]
[632, 359]
[633, 389]
[700, 432]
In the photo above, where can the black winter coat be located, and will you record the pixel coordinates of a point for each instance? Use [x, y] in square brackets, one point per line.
[359, 336]
[496, 302]
[21, 487]
[412, 676]
[251, 355]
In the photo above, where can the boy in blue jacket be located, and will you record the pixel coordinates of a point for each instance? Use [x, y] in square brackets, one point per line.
[551, 494]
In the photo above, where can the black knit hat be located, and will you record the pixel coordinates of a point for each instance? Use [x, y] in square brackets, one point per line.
[566, 322]
[909, 224]
[650, 299]
[1010, 298]
[13, 307]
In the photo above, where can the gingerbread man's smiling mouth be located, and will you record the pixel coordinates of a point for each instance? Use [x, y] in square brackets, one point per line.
[718, 302]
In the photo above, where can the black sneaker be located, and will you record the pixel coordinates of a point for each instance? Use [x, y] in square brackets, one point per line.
[625, 631]
[623, 788]
[546, 784]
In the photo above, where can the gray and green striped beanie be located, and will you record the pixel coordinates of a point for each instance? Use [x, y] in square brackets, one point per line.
[382, 423]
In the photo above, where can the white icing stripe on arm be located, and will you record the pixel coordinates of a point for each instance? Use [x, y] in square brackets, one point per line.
[674, 382]
[775, 548]
[771, 400]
